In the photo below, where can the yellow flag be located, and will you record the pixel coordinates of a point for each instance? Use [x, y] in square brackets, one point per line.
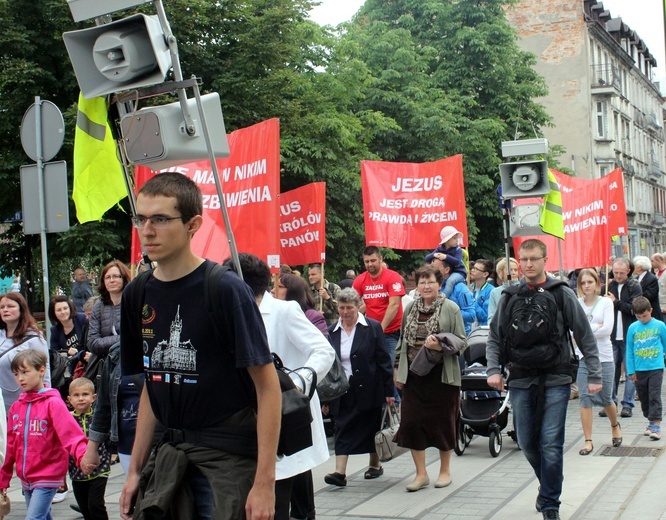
[551, 221]
[98, 175]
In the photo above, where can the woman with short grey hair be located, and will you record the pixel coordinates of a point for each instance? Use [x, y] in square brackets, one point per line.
[349, 295]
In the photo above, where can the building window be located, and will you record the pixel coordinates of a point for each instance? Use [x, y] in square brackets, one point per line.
[604, 170]
[601, 120]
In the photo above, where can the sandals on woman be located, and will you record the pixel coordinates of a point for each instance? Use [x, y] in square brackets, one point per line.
[585, 451]
[373, 473]
[617, 441]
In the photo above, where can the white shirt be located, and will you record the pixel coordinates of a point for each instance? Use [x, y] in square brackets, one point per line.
[346, 341]
[601, 318]
[619, 331]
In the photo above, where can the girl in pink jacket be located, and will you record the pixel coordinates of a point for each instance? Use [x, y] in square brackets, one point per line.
[41, 434]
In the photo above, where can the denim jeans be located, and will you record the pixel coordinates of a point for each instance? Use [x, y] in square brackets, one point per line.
[451, 282]
[391, 340]
[38, 503]
[201, 492]
[620, 355]
[545, 453]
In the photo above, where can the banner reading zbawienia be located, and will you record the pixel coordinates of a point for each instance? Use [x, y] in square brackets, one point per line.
[593, 211]
[250, 179]
[303, 224]
[405, 205]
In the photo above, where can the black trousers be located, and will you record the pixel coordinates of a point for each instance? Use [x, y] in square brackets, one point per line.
[297, 492]
[648, 385]
[89, 495]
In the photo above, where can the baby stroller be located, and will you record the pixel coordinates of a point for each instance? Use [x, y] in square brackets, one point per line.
[483, 410]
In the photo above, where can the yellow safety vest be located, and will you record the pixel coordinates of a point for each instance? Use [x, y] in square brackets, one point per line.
[98, 175]
[551, 220]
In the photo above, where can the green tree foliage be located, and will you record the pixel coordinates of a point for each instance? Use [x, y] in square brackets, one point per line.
[451, 76]
[267, 60]
[34, 62]
[407, 80]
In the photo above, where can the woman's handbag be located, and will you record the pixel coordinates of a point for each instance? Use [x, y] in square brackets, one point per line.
[335, 384]
[79, 370]
[386, 447]
[295, 426]
[5, 505]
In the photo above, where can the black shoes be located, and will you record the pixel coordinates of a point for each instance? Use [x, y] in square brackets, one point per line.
[626, 412]
[336, 479]
[551, 514]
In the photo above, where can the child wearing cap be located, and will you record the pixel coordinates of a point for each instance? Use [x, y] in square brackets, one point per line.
[450, 251]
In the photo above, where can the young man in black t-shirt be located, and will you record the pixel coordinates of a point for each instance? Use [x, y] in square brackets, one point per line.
[193, 384]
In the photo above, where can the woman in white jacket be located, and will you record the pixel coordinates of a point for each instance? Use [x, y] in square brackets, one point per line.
[299, 344]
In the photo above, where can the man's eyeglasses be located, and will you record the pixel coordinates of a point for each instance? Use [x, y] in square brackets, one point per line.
[530, 260]
[157, 221]
[477, 269]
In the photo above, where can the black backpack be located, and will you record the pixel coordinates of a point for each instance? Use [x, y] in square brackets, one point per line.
[295, 430]
[532, 338]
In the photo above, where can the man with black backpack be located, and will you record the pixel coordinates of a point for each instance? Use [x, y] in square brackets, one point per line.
[529, 336]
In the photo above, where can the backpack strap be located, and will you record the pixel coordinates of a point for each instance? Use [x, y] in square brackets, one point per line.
[134, 293]
[559, 299]
[212, 278]
[216, 314]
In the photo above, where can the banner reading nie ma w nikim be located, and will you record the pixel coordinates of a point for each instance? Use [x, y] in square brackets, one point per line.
[250, 179]
[593, 211]
[405, 205]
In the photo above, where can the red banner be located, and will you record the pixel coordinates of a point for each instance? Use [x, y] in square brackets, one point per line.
[593, 211]
[250, 179]
[303, 224]
[405, 205]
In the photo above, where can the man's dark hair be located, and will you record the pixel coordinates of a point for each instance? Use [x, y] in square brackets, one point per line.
[256, 272]
[372, 250]
[189, 200]
[641, 305]
[488, 267]
[315, 266]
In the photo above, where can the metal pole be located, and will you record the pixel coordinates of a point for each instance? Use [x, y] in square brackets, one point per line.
[505, 226]
[321, 300]
[559, 254]
[218, 184]
[177, 71]
[42, 213]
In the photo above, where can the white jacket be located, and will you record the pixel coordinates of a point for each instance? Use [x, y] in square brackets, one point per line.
[299, 344]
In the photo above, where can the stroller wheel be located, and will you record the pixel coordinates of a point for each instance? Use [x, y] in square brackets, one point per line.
[461, 438]
[468, 434]
[495, 442]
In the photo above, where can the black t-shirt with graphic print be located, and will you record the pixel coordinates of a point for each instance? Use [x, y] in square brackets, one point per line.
[192, 382]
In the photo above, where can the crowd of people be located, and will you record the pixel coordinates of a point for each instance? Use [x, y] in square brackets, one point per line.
[152, 395]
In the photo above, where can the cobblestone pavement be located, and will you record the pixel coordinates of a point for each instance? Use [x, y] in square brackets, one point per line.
[596, 487]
